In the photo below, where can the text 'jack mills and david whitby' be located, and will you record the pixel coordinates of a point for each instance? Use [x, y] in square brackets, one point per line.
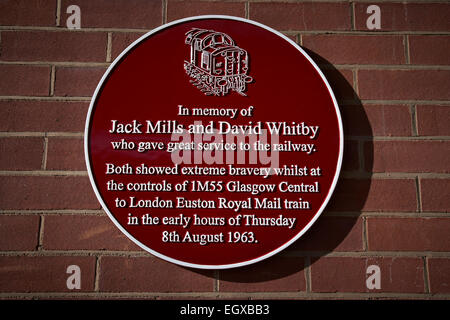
[284, 128]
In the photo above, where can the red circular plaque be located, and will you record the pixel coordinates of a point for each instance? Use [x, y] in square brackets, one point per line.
[213, 142]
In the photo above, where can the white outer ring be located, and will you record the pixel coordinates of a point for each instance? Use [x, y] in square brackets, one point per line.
[224, 266]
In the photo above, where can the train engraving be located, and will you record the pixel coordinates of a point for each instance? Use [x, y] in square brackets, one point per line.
[217, 66]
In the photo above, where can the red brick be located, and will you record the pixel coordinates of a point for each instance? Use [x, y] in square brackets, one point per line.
[302, 16]
[429, 50]
[27, 13]
[434, 194]
[408, 234]
[346, 274]
[433, 120]
[24, 80]
[332, 234]
[177, 10]
[361, 49]
[350, 161]
[439, 275]
[341, 82]
[19, 232]
[150, 274]
[46, 192]
[84, 232]
[53, 46]
[21, 153]
[377, 120]
[404, 84]
[276, 274]
[378, 195]
[42, 116]
[406, 16]
[408, 156]
[44, 274]
[135, 14]
[65, 154]
[77, 81]
[120, 41]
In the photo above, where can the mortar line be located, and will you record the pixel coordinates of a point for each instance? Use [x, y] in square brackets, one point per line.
[109, 47]
[65, 29]
[397, 138]
[42, 134]
[86, 212]
[371, 1]
[355, 81]
[341, 102]
[326, 66]
[418, 194]
[308, 274]
[52, 80]
[343, 214]
[394, 101]
[58, 13]
[40, 246]
[415, 123]
[347, 138]
[415, 120]
[339, 1]
[294, 253]
[313, 32]
[77, 253]
[426, 275]
[57, 63]
[216, 280]
[164, 5]
[365, 235]
[350, 175]
[366, 254]
[247, 10]
[387, 67]
[391, 214]
[407, 52]
[44, 173]
[45, 153]
[393, 175]
[97, 274]
[352, 16]
[45, 98]
[226, 295]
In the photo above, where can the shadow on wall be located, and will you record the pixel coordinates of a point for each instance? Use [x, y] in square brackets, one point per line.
[339, 228]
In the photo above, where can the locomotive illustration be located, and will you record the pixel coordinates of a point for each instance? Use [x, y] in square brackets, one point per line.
[216, 64]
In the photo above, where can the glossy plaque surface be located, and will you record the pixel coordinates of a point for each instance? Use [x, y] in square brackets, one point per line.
[213, 142]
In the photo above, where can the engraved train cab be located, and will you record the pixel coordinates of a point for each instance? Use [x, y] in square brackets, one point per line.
[216, 64]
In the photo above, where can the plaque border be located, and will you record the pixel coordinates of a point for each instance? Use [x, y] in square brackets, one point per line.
[184, 263]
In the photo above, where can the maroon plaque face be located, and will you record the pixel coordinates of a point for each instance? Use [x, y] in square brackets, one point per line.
[213, 142]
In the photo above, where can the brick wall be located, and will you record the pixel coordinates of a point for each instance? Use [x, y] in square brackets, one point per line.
[391, 205]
